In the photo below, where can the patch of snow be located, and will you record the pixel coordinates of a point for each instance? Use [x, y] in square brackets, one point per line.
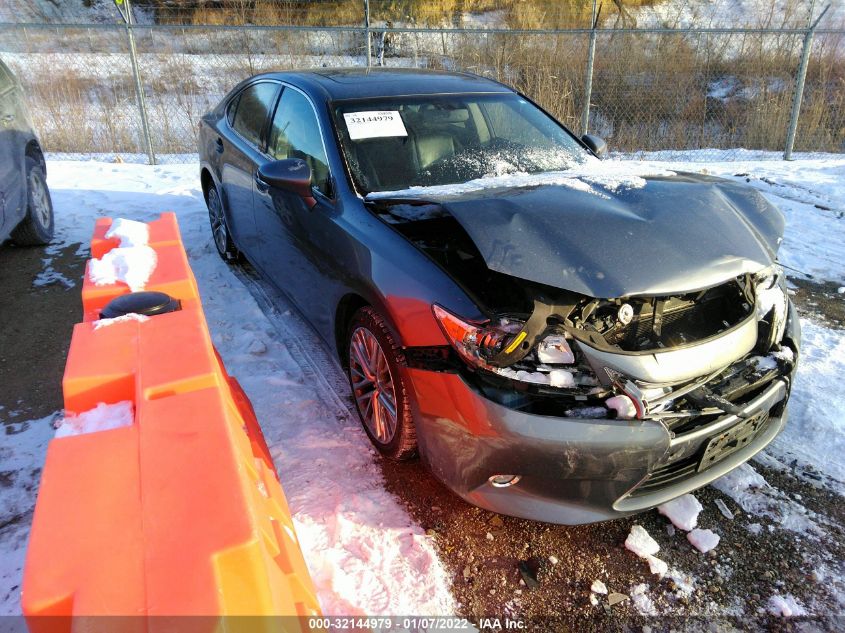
[684, 583]
[755, 496]
[103, 417]
[623, 405]
[587, 413]
[132, 316]
[50, 276]
[682, 511]
[131, 265]
[642, 602]
[129, 232]
[703, 540]
[598, 587]
[640, 542]
[785, 606]
[561, 378]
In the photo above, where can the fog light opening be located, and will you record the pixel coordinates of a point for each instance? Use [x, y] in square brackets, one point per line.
[503, 481]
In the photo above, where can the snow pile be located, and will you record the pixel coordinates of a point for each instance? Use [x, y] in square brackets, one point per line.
[129, 232]
[640, 542]
[125, 318]
[785, 606]
[131, 265]
[103, 417]
[682, 512]
[703, 540]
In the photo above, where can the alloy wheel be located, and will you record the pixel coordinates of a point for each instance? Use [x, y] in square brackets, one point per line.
[218, 223]
[39, 200]
[372, 385]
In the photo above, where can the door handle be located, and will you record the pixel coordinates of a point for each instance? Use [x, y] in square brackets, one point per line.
[219, 145]
[262, 186]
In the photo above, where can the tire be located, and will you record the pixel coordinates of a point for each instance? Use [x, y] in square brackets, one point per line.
[219, 228]
[36, 229]
[368, 332]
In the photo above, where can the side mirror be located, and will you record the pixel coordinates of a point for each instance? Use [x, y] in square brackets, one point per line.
[596, 143]
[290, 174]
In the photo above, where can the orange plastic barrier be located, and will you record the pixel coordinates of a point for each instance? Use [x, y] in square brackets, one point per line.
[180, 513]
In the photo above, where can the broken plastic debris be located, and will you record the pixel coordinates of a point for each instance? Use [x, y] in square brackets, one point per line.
[703, 540]
[129, 232]
[682, 512]
[103, 417]
[623, 406]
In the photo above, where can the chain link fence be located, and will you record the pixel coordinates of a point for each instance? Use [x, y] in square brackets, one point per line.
[650, 90]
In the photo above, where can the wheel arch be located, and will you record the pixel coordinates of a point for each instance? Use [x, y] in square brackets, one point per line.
[348, 305]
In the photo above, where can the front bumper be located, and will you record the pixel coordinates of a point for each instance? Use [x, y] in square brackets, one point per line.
[575, 470]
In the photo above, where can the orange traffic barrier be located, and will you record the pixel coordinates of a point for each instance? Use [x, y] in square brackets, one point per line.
[180, 513]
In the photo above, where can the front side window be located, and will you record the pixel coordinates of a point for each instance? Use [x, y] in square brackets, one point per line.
[295, 133]
[395, 143]
[252, 110]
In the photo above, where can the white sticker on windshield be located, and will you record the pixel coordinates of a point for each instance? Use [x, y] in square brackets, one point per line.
[374, 124]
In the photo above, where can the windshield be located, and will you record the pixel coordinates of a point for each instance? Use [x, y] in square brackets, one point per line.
[400, 142]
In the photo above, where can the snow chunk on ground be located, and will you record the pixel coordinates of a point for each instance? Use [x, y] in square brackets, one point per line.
[642, 601]
[598, 587]
[103, 417]
[132, 266]
[703, 540]
[129, 232]
[656, 565]
[132, 316]
[785, 606]
[640, 542]
[682, 512]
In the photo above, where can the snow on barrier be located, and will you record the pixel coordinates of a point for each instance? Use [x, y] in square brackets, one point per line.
[176, 510]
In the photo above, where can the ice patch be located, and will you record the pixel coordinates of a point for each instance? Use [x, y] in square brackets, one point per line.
[785, 606]
[682, 512]
[703, 540]
[129, 232]
[723, 508]
[103, 417]
[131, 265]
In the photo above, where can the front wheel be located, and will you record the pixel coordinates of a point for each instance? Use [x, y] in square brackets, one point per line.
[219, 229]
[36, 229]
[373, 360]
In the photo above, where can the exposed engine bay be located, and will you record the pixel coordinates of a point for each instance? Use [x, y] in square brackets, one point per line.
[683, 358]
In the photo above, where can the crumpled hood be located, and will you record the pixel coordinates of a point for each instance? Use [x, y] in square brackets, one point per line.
[676, 234]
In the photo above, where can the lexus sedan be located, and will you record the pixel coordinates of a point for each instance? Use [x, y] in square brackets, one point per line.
[559, 337]
[26, 211]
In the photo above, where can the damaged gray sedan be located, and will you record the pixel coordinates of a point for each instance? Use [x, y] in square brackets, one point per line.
[559, 337]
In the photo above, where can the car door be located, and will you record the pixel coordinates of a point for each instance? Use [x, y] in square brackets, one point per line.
[11, 178]
[297, 243]
[246, 119]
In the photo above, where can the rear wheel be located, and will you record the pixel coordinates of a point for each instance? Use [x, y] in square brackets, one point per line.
[373, 359]
[36, 229]
[219, 229]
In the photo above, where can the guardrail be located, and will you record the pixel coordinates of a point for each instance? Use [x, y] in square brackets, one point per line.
[179, 512]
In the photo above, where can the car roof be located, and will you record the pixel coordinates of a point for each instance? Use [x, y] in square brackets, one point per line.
[356, 83]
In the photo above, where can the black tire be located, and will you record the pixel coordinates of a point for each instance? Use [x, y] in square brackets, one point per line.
[401, 445]
[36, 229]
[219, 228]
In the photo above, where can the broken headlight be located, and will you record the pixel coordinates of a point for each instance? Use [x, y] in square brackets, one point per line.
[771, 299]
[476, 342]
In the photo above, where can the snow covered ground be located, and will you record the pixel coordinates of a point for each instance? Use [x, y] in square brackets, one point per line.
[365, 552]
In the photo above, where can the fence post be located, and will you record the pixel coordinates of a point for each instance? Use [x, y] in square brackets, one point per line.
[139, 88]
[798, 96]
[588, 82]
[367, 33]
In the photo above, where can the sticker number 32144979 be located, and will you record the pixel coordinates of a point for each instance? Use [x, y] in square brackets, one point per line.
[374, 124]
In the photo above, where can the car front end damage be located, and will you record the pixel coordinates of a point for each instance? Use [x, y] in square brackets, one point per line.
[589, 409]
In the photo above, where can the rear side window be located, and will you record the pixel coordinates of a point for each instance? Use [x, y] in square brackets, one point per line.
[295, 133]
[252, 109]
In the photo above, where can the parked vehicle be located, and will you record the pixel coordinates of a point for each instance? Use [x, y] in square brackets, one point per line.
[559, 338]
[26, 211]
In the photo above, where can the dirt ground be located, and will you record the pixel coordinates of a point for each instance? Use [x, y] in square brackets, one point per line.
[502, 566]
